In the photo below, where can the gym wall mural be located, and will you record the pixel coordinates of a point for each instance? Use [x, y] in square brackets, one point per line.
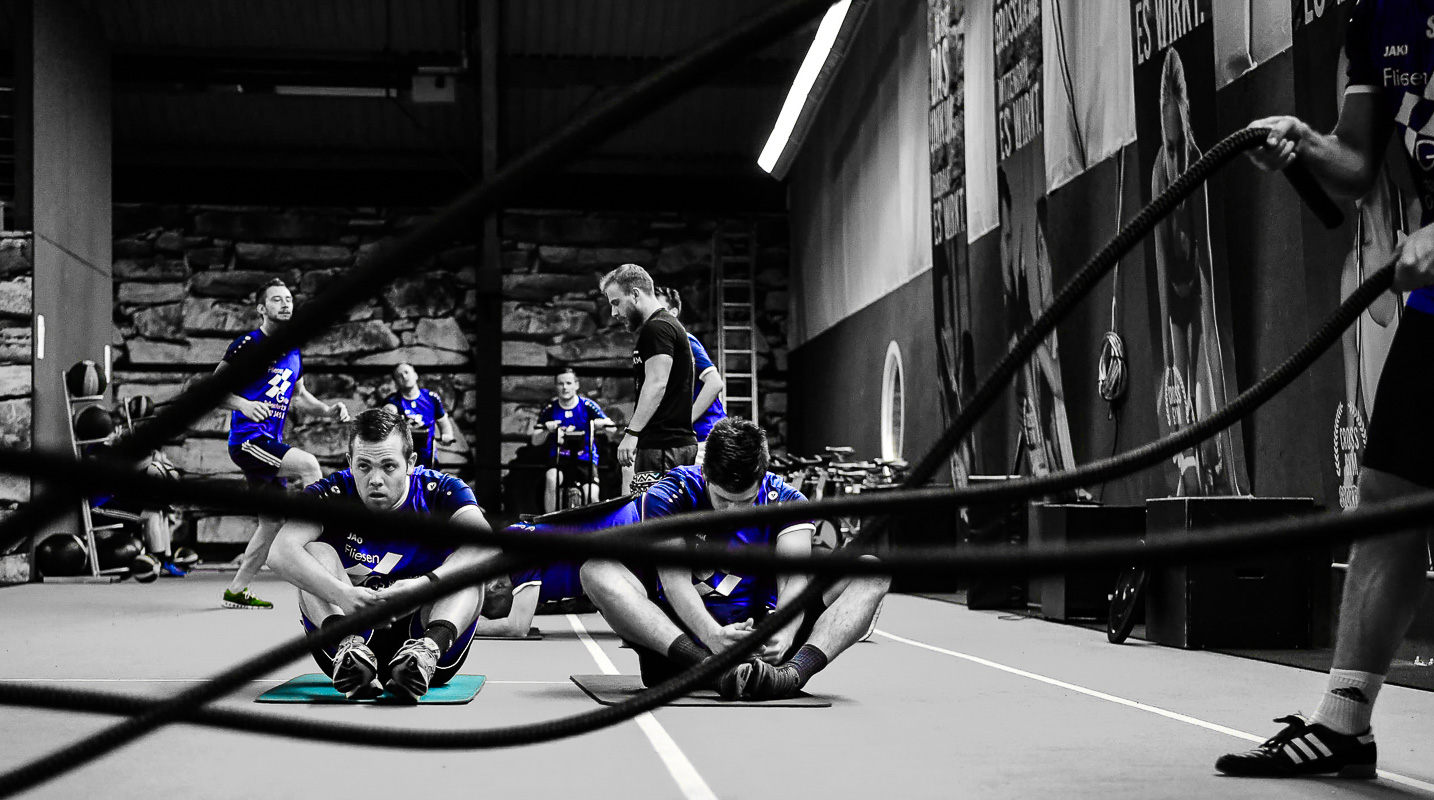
[1363, 245]
[1190, 327]
[950, 267]
[1042, 442]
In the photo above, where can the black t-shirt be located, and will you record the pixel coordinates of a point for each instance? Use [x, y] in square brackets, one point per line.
[671, 425]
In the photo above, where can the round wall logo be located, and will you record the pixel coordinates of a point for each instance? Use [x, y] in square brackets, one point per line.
[1349, 438]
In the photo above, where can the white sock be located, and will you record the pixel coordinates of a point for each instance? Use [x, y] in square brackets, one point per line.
[1348, 701]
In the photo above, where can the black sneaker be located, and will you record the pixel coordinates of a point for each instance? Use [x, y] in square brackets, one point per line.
[1303, 748]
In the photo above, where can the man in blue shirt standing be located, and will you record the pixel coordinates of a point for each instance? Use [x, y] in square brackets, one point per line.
[569, 424]
[707, 387]
[427, 419]
[1390, 49]
[694, 614]
[340, 571]
[256, 432]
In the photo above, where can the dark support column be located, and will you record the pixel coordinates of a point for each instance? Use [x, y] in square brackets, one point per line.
[62, 130]
[488, 348]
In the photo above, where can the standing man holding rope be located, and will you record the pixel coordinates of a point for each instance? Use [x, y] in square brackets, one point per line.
[659, 436]
[256, 433]
[1391, 55]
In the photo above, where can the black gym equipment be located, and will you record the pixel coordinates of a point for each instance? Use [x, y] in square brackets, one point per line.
[85, 379]
[93, 424]
[61, 556]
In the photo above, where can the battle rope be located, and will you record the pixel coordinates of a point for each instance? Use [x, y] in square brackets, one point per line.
[183, 703]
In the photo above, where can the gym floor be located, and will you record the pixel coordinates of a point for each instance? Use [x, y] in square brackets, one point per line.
[944, 702]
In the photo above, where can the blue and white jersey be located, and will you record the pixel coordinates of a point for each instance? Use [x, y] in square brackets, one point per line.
[427, 408]
[1390, 46]
[715, 413]
[729, 596]
[276, 387]
[573, 422]
[559, 580]
[378, 561]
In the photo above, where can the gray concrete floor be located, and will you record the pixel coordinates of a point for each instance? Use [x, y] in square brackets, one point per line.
[907, 721]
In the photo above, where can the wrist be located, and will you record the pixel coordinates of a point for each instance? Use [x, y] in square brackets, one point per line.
[633, 432]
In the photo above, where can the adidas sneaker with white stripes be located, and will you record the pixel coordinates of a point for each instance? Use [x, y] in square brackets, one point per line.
[1305, 748]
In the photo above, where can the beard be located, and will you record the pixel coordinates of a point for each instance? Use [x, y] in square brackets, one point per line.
[634, 319]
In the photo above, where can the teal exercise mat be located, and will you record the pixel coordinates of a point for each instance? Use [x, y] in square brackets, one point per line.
[533, 635]
[613, 689]
[316, 687]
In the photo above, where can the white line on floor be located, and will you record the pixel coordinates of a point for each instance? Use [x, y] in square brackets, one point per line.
[1414, 783]
[682, 771]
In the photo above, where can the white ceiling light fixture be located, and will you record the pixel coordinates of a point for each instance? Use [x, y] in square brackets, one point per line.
[801, 99]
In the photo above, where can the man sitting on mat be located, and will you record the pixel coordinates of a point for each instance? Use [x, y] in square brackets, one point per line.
[697, 614]
[340, 572]
[510, 602]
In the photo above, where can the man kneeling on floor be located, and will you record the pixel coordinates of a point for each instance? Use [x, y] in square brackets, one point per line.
[340, 572]
[691, 615]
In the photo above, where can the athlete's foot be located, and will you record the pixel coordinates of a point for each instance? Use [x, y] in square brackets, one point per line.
[755, 679]
[412, 668]
[356, 670]
[169, 569]
[1303, 748]
[244, 599]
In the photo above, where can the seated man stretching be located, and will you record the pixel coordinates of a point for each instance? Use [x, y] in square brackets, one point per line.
[340, 572]
[697, 614]
[510, 602]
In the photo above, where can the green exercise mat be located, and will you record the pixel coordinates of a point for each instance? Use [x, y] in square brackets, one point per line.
[316, 687]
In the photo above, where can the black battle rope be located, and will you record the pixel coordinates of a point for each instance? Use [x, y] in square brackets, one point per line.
[641, 98]
[177, 707]
[393, 258]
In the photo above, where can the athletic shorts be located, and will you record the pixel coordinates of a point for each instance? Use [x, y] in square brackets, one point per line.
[260, 458]
[1401, 432]
[655, 667]
[572, 474]
[385, 642]
[650, 464]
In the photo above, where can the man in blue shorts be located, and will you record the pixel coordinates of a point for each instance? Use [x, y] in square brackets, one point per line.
[698, 613]
[428, 420]
[510, 603]
[568, 422]
[707, 387]
[256, 432]
[340, 572]
[1390, 48]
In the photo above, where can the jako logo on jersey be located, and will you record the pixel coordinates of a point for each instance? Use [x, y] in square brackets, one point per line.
[1424, 154]
[1396, 50]
[431, 485]
[279, 384]
[772, 495]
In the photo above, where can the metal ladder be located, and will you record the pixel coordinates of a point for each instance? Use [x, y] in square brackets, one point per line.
[734, 250]
[113, 520]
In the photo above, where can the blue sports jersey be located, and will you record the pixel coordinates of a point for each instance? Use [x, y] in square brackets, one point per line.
[729, 597]
[560, 581]
[574, 424]
[378, 561]
[1390, 46]
[276, 387]
[427, 408]
[715, 413]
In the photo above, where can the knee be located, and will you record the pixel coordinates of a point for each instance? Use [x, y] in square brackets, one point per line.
[327, 556]
[599, 578]
[877, 585]
[550, 479]
[306, 467]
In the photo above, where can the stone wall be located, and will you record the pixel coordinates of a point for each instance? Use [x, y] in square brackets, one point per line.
[184, 283]
[16, 359]
[554, 315]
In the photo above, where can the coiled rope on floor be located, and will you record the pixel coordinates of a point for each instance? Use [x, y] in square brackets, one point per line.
[185, 703]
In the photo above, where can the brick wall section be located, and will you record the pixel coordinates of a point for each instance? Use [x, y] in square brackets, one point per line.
[553, 314]
[16, 355]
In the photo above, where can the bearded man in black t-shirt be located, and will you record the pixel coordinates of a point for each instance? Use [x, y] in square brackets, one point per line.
[659, 435]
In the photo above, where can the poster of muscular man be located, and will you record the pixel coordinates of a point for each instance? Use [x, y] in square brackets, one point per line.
[1043, 431]
[950, 269]
[1175, 117]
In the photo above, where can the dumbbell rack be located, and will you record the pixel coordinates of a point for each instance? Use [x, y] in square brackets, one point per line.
[87, 522]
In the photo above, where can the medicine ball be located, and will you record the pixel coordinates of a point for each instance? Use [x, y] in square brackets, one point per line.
[85, 379]
[144, 568]
[118, 550]
[159, 469]
[140, 407]
[185, 557]
[93, 422]
[61, 556]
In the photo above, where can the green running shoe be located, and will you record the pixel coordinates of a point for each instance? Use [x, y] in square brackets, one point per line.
[244, 599]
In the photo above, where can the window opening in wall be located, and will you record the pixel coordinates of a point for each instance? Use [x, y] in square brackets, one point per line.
[893, 409]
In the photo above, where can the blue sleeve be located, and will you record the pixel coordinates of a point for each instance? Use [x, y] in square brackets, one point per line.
[594, 410]
[330, 486]
[450, 495]
[236, 347]
[527, 576]
[701, 361]
[665, 498]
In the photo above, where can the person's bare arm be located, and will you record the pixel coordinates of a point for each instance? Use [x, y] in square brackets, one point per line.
[654, 384]
[446, 435]
[1347, 160]
[712, 386]
[682, 596]
[253, 410]
[520, 617]
[292, 561]
[795, 541]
